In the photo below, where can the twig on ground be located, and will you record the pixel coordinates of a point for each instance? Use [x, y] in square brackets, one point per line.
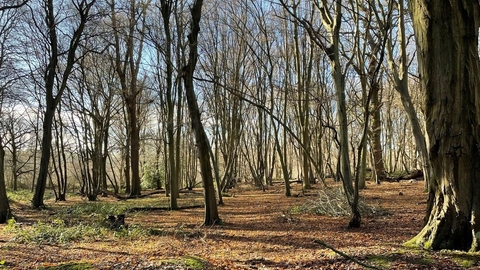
[346, 256]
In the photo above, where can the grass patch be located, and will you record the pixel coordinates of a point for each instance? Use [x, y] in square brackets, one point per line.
[25, 196]
[59, 232]
[97, 208]
[55, 232]
[86, 220]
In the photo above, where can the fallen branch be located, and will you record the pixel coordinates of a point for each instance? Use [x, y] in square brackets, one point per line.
[138, 209]
[346, 256]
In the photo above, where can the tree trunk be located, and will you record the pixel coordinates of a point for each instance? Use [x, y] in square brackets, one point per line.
[377, 133]
[166, 9]
[134, 149]
[14, 159]
[41, 184]
[203, 145]
[447, 42]
[4, 205]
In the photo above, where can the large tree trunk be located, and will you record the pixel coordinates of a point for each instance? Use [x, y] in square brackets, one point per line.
[134, 149]
[447, 41]
[203, 145]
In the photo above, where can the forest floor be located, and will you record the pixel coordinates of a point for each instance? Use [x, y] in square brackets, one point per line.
[259, 230]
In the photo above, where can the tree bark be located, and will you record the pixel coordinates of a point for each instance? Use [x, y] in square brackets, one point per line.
[377, 133]
[4, 205]
[211, 211]
[166, 10]
[447, 42]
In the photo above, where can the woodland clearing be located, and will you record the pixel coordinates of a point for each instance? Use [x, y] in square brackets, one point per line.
[259, 230]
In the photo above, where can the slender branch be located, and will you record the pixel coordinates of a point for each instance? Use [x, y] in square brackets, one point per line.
[3, 8]
[346, 256]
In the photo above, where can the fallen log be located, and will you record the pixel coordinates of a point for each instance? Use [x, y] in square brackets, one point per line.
[418, 174]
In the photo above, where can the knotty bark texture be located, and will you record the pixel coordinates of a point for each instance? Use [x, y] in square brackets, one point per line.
[447, 42]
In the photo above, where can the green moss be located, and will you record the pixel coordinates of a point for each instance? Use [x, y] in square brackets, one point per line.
[416, 242]
[427, 245]
[194, 262]
[382, 261]
[412, 243]
[69, 266]
[466, 263]
[463, 259]
[188, 262]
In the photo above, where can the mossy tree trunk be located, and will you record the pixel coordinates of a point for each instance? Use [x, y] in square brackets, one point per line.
[447, 42]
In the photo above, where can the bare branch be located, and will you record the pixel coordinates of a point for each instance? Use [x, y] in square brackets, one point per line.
[3, 8]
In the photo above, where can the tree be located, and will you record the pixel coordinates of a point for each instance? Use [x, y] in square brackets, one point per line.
[8, 18]
[447, 43]
[55, 81]
[211, 210]
[399, 72]
[4, 205]
[18, 132]
[129, 36]
[166, 10]
[332, 22]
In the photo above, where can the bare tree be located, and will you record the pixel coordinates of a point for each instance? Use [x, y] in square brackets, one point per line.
[55, 80]
[8, 19]
[203, 144]
[399, 73]
[129, 36]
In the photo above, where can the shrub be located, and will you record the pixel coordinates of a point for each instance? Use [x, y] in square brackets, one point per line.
[150, 177]
[333, 202]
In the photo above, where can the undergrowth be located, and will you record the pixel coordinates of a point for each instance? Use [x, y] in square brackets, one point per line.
[64, 231]
[333, 202]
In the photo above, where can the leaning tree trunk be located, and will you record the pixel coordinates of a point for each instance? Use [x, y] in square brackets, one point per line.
[211, 210]
[447, 42]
